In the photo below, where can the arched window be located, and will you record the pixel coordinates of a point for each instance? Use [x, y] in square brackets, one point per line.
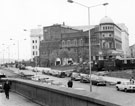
[110, 35]
[111, 44]
[75, 42]
[68, 43]
[81, 42]
[103, 44]
[63, 43]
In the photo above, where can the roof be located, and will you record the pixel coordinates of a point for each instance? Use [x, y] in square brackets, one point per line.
[106, 19]
[84, 28]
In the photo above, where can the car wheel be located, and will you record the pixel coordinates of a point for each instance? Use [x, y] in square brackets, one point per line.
[117, 88]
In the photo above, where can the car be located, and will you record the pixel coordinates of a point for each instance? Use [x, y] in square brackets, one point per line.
[75, 76]
[98, 82]
[61, 74]
[125, 86]
[2, 75]
[85, 78]
[1, 87]
[22, 67]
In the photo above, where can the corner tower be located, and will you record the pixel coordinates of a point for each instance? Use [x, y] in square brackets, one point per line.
[110, 38]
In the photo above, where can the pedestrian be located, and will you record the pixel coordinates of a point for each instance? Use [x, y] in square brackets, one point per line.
[6, 88]
[70, 83]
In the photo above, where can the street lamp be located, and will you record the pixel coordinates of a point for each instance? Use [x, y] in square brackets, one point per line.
[17, 48]
[104, 4]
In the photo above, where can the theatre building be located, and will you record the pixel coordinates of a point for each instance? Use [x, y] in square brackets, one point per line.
[105, 40]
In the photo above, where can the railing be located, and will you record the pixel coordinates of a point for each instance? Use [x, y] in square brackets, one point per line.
[52, 95]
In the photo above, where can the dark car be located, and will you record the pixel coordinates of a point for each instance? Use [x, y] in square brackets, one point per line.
[22, 67]
[2, 75]
[85, 78]
[98, 82]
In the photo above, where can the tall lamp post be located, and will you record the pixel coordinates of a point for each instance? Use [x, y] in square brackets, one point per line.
[17, 48]
[104, 4]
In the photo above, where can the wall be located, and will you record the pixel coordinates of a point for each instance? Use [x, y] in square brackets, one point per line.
[51, 95]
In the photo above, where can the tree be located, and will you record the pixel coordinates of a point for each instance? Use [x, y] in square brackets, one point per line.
[63, 53]
[52, 57]
[73, 55]
[84, 54]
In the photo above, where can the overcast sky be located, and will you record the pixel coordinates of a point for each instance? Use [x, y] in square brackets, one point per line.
[16, 15]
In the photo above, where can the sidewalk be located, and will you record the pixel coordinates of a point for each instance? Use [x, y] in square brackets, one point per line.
[15, 100]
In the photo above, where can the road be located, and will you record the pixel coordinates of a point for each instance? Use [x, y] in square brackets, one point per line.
[107, 92]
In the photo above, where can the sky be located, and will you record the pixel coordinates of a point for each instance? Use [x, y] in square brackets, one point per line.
[17, 15]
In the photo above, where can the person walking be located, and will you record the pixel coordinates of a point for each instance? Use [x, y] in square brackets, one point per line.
[6, 88]
[70, 83]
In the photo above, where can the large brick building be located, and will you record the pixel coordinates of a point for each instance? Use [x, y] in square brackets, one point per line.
[106, 39]
[52, 36]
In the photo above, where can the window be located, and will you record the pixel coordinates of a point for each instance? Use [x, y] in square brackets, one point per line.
[36, 53]
[81, 42]
[68, 43]
[33, 47]
[110, 44]
[110, 35]
[103, 44]
[33, 53]
[75, 42]
[63, 43]
[35, 41]
[32, 41]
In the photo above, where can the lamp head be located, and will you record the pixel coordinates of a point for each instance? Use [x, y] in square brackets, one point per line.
[104, 4]
[70, 1]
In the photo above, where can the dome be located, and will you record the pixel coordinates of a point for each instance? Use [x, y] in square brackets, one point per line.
[106, 20]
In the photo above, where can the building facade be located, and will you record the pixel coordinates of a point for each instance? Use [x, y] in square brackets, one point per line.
[106, 40]
[132, 51]
[125, 40]
[52, 36]
[36, 36]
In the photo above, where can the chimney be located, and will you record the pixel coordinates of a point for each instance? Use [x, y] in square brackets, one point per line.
[63, 23]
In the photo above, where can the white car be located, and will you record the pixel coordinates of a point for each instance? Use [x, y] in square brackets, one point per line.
[75, 76]
[125, 86]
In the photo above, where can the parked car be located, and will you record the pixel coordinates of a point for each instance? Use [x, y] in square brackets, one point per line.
[85, 78]
[2, 75]
[125, 86]
[1, 88]
[61, 74]
[21, 67]
[75, 76]
[98, 82]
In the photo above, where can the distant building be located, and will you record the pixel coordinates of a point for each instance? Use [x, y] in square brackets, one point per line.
[36, 36]
[132, 51]
[125, 40]
[107, 39]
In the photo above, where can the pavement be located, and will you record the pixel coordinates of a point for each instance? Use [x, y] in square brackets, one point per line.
[15, 100]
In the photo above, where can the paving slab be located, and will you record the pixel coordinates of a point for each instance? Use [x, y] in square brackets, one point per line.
[15, 100]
